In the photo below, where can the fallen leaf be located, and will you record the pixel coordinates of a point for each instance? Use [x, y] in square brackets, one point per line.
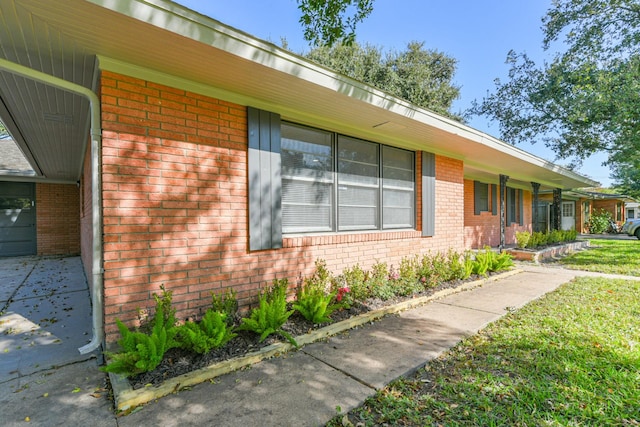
[76, 390]
[45, 395]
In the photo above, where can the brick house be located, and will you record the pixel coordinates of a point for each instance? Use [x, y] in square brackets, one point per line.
[576, 207]
[197, 157]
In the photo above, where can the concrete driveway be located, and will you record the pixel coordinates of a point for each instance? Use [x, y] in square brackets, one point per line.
[45, 314]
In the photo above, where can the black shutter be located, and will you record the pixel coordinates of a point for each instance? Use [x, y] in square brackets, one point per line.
[265, 183]
[428, 194]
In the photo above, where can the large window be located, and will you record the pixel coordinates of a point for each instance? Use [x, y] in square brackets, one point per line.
[332, 182]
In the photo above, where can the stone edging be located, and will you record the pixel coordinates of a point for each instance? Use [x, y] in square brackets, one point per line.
[126, 398]
[549, 252]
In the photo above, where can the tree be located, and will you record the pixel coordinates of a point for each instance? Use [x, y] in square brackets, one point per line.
[587, 98]
[327, 22]
[420, 76]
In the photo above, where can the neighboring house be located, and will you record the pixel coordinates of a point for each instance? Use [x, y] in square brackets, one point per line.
[577, 206]
[213, 160]
[632, 210]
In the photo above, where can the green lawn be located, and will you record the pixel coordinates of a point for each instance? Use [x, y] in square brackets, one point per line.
[571, 358]
[607, 256]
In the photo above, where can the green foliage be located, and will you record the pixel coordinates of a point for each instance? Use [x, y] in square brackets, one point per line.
[142, 352]
[418, 75]
[468, 267]
[271, 313]
[326, 22]
[456, 268]
[407, 282]
[522, 239]
[586, 98]
[554, 236]
[599, 221]
[226, 304]
[501, 262]
[164, 305]
[314, 303]
[209, 333]
[482, 262]
[355, 278]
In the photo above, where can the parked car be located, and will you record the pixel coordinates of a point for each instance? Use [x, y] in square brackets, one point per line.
[632, 227]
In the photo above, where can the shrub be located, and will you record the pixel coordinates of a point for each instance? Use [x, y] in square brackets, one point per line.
[599, 221]
[226, 304]
[482, 262]
[355, 279]
[407, 282]
[501, 262]
[211, 332]
[456, 263]
[380, 282]
[314, 303]
[271, 313]
[522, 239]
[141, 352]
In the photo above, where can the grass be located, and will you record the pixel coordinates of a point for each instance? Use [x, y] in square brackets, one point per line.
[607, 256]
[571, 358]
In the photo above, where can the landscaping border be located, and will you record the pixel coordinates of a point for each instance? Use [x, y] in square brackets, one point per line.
[126, 398]
[543, 254]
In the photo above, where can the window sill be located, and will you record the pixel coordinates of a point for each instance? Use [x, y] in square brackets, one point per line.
[300, 240]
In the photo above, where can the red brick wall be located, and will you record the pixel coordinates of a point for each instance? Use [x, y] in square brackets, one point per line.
[175, 206]
[57, 223]
[484, 229]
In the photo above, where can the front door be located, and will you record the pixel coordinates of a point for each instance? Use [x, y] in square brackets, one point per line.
[17, 219]
[568, 215]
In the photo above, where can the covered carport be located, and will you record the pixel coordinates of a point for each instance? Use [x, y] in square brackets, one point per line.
[50, 111]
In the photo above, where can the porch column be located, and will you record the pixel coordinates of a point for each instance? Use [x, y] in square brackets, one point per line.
[534, 204]
[503, 209]
[556, 209]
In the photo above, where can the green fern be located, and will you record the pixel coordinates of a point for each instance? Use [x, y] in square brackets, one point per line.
[314, 304]
[482, 263]
[142, 352]
[501, 262]
[271, 313]
[211, 332]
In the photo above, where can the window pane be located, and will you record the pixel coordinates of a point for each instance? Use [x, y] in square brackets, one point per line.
[483, 197]
[307, 180]
[358, 184]
[397, 188]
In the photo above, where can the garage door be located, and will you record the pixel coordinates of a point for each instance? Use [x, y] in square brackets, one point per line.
[17, 219]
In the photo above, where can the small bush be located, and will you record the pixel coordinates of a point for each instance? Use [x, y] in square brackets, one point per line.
[209, 333]
[271, 313]
[142, 352]
[314, 303]
[226, 304]
[599, 221]
[355, 279]
[522, 239]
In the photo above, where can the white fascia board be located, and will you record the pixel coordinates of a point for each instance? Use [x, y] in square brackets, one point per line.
[187, 23]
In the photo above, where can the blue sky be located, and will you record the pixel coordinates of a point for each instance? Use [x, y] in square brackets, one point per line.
[479, 34]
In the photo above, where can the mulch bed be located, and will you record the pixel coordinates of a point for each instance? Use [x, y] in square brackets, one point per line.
[178, 361]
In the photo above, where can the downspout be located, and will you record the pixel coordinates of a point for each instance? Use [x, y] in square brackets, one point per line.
[96, 142]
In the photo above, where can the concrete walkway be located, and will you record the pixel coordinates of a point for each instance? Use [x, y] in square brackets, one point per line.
[301, 388]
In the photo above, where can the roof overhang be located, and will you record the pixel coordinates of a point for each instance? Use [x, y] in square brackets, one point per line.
[164, 42]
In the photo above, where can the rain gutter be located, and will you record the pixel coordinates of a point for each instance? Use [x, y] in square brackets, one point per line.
[96, 142]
